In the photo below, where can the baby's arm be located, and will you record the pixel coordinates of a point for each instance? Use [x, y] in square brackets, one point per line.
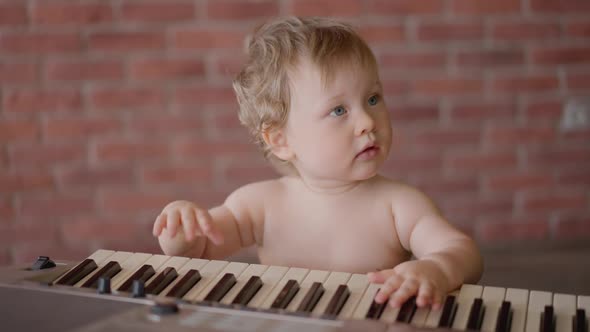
[185, 229]
[447, 258]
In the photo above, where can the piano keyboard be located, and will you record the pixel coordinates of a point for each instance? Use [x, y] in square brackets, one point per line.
[313, 294]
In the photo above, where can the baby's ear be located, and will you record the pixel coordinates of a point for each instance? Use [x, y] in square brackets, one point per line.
[277, 141]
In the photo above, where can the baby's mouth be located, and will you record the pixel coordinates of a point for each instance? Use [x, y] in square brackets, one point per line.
[368, 152]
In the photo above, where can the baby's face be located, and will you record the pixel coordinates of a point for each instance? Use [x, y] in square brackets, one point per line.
[339, 130]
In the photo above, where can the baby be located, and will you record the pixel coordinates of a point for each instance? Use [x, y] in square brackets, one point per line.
[311, 97]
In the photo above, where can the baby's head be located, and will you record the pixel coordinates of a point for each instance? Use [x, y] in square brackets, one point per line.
[277, 52]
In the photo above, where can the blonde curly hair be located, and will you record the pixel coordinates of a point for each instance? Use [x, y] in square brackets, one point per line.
[273, 52]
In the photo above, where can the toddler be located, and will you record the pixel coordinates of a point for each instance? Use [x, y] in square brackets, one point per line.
[311, 97]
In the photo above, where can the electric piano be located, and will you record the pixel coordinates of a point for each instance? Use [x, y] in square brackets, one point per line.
[124, 291]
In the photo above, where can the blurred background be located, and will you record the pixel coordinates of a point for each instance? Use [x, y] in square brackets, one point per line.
[111, 109]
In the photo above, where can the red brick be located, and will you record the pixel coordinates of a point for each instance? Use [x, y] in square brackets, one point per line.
[17, 233]
[562, 6]
[126, 41]
[77, 177]
[201, 175]
[127, 98]
[462, 162]
[37, 43]
[5, 257]
[484, 7]
[550, 110]
[75, 128]
[127, 151]
[122, 201]
[393, 88]
[204, 95]
[239, 174]
[447, 137]
[519, 84]
[572, 227]
[483, 111]
[242, 9]
[228, 66]
[448, 31]
[413, 60]
[577, 81]
[227, 121]
[550, 157]
[163, 69]
[166, 124]
[509, 134]
[408, 162]
[405, 7]
[574, 177]
[170, 11]
[519, 181]
[46, 155]
[560, 55]
[340, 8]
[578, 29]
[413, 113]
[6, 210]
[25, 181]
[88, 70]
[13, 14]
[55, 205]
[18, 130]
[46, 100]
[518, 31]
[71, 13]
[512, 230]
[447, 186]
[18, 73]
[382, 34]
[582, 135]
[490, 58]
[437, 87]
[200, 148]
[210, 38]
[84, 230]
[476, 206]
[553, 202]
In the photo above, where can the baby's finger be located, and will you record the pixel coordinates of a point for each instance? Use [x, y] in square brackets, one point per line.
[390, 286]
[173, 222]
[207, 227]
[407, 289]
[188, 223]
[425, 294]
[437, 299]
[159, 224]
[379, 277]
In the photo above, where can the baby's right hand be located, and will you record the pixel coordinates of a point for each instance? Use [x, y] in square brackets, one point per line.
[193, 221]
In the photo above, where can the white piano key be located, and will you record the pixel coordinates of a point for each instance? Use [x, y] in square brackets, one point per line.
[464, 301]
[128, 266]
[98, 257]
[389, 314]
[537, 302]
[519, 301]
[357, 285]
[584, 303]
[312, 276]
[295, 273]
[191, 264]
[242, 279]
[434, 315]
[155, 261]
[492, 300]
[564, 307]
[334, 280]
[270, 278]
[365, 303]
[234, 268]
[119, 257]
[208, 273]
[420, 315]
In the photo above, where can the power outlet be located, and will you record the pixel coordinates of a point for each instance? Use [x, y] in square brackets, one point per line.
[576, 115]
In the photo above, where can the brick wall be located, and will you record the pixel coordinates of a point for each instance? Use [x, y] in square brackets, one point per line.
[110, 109]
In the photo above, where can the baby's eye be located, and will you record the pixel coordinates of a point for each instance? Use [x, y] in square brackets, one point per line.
[373, 100]
[338, 111]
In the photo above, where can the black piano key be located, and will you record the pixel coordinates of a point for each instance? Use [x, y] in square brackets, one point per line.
[76, 274]
[144, 273]
[247, 293]
[448, 312]
[311, 298]
[191, 278]
[109, 270]
[580, 322]
[337, 301]
[476, 314]
[223, 286]
[376, 309]
[407, 311]
[504, 320]
[161, 281]
[548, 319]
[286, 295]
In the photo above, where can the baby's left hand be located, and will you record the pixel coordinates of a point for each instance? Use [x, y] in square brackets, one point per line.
[421, 278]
